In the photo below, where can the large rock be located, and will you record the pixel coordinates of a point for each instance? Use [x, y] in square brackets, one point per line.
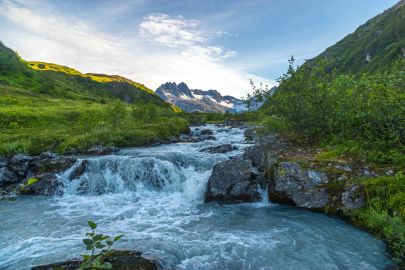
[3, 161]
[231, 181]
[7, 177]
[119, 259]
[256, 154]
[79, 170]
[250, 134]
[50, 162]
[207, 132]
[20, 164]
[293, 185]
[48, 184]
[219, 149]
[353, 197]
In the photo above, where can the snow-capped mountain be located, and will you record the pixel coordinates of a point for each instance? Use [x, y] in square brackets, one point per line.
[192, 100]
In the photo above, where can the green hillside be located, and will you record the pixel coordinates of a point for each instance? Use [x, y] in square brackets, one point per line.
[352, 111]
[381, 40]
[52, 107]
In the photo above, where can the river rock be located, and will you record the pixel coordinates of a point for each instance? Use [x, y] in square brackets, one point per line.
[19, 163]
[48, 184]
[3, 161]
[7, 177]
[353, 197]
[233, 123]
[293, 185]
[249, 134]
[219, 149]
[256, 154]
[231, 181]
[119, 259]
[50, 162]
[206, 137]
[207, 132]
[101, 150]
[272, 142]
[79, 170]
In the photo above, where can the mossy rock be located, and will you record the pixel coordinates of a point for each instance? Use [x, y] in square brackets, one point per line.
[119, 259]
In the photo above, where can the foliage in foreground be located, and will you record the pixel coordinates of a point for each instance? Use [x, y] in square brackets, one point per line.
[98, 245]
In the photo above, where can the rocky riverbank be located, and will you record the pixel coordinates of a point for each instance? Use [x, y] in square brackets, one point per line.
[296, 175]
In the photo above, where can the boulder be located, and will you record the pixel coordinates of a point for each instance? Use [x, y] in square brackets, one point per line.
[7, 177]
[271, 141]
[119, 259]
[249, 134]
[231, 181]
[206, 137]
[206, 132]
[3, 161]
[19, 163]
[256, 154]
[50, 163]
[293, 185]
[101, 150]
[353, 197]
[219, 149]
[79, 170]
[48, 184]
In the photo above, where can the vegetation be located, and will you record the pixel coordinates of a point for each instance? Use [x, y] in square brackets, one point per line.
[353, 106]
[97, 245]
[50, 107]
[381, 38]
[385, 211]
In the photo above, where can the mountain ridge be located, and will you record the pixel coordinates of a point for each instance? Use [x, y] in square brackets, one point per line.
[197, 100]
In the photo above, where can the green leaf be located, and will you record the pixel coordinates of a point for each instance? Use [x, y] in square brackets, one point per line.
[85, 265]
[90, 247]
[97, 237]
[99, 245]
[118, 237]
[32, 181]
[92, 224]
[87, 241]
[109, 242]
[86, 256]
[106, 265]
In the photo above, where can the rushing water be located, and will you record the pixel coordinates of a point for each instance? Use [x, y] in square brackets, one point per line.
[154, 196]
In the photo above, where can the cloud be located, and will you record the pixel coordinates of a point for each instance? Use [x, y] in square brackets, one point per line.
[164, 48]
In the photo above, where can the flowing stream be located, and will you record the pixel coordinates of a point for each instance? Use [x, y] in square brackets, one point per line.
[154, 196]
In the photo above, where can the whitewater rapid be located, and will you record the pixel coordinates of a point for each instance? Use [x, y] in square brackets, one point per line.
[154, 196]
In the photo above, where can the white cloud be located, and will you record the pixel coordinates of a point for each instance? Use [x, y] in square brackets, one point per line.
[165, 49]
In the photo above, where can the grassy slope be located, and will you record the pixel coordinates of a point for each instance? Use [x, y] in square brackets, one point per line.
[382, 38]
[47, 106]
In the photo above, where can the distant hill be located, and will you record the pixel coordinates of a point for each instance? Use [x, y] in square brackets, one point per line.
[374, 46]
[196, 100]
[64, 82]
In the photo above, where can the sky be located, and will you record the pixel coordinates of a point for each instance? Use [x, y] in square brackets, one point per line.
[209, 44]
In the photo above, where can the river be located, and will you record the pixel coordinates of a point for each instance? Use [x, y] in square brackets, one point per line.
[154, 196]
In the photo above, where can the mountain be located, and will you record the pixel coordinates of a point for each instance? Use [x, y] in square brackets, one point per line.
[64, 82]
[192, 100]
[374, 46]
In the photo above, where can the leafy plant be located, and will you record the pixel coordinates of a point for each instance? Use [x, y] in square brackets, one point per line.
[98, 245]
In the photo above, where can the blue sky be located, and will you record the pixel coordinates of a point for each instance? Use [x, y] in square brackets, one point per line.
[207, 44]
